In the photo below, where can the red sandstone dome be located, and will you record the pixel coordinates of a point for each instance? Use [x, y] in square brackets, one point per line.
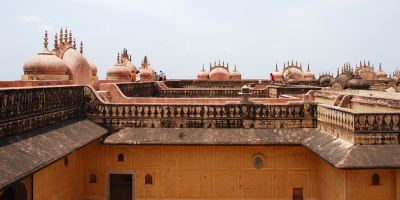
[93, 68]
[202, 75]
[45, 63]
[130, 66]
[297, 73]
[309, 75]
[277, 74]
[381, 74]
[78, 66]
[219, 73]
[235, 75]
[120, 71]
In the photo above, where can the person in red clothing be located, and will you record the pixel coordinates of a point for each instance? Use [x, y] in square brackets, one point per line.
[272, 78]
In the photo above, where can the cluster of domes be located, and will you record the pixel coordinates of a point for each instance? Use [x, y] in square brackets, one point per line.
[64, 62]
[123, 69]
[295, 71]
[219, 72]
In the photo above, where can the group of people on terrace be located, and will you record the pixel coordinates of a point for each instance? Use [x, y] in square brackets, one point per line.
[135, 77]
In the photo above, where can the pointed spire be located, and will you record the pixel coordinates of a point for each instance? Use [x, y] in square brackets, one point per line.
[56, 41]
[360, 63]
[61, 35]
[66, 35]
[300, 66]
[380, 68]
[118, 58]
[276, 67]
[215, 63]
[74, 44]
[227, 65]
[308, 67]
[81, 47]
[364, 63]
[368, 63]
[203, 67]
[219, 62]
[70, 37]
[296, 63]
[235, 66]
[338, 71]
[292, 62]
[45, 49]
[223, 63]
[288, 63]
[130, 58]
[283, 65]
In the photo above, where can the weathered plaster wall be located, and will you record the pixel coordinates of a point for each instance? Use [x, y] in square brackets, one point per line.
[330, 181]
[58, 181]
[204, 172]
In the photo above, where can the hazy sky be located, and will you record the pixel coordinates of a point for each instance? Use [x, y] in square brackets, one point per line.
[178, 36]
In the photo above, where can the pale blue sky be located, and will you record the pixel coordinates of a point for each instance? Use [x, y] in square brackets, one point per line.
[178, 36]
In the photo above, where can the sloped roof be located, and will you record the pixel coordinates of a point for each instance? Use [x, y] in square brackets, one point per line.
[26, 153]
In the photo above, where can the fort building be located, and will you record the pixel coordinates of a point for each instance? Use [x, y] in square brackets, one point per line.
[66, 134]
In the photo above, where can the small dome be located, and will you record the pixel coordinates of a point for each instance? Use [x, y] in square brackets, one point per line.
[202, 75]
[235, 74]
[219, 73]
[325, 80]
[93, 68]
[381, 74]
[358, 83]
[120, 71]
[151, 70]
[45, 63]
[131, 67]
[367, 73]
[308, 75]
[146, 74]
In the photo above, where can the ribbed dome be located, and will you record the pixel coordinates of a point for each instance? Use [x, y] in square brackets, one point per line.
[381, 74]
[367, 73]
[146, 74]
[219, 73]
[130, 66]
[45, 63]
[325, 81]
[120, 71]
[93, 68]
[357, 83]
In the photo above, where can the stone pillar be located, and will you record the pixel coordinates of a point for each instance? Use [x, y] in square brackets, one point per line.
[245, 94]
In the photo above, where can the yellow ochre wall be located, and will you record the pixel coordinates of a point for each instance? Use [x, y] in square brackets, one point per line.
[210, 172]
[204, 172]
[58, 181]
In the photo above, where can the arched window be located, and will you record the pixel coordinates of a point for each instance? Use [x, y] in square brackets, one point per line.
[93, 178]
[376, 179]
[152, 126]
[181, 126]
[148, 179]
[121, 157]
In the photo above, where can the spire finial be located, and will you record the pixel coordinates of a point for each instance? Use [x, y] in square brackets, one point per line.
[219, 62]
[284, 65]
[380, 68]
[130, 58]
[276, 66]
[235, 66]
[368, 63]
[70, 37]
[81, 47]
[364, 62]
[215, 63]
[45, 49]
[308, 67]
[203, 67]
[296, 63]
[292, 62]
[118, 58]
[74, 44]
[56, 41]
[66, 35]
[301, 67]
[338, 71]
[223, 63]
[61, 35]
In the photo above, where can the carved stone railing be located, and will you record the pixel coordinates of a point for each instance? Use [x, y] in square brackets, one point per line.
[213, 84]
[275, 92]
[25, 109]
[153, 89]
[117, 116]
[360, 127]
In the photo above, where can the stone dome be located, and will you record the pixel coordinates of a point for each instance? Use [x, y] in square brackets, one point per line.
[367, 73]
[202, 75]
[130, 66]
[146, 74]
[297, 73]
[45, 63]
[381, 74]
[219, 73]
[120, 71]
[357, 83]
[235, 75]
[277, 74]
[151, 70]
[93, 68]
[325, 80]
[308, 75]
